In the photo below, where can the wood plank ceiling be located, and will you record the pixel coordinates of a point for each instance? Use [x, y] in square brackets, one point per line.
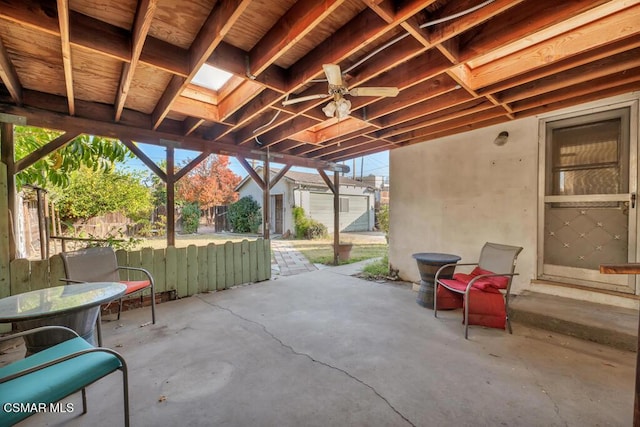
[123, 68]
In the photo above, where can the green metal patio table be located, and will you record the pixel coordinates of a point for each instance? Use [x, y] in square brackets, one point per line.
[76, 306]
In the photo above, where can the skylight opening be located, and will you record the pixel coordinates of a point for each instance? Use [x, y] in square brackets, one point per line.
[211, 77]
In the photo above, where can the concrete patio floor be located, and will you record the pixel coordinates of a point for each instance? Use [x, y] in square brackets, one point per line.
[327, 349]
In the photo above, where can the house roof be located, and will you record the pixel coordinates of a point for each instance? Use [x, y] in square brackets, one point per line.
[304, 178]
[125, 69]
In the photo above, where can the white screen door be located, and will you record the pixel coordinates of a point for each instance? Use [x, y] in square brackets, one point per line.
[589, 214]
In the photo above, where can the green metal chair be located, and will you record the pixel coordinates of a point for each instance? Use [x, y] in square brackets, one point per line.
[50, 375]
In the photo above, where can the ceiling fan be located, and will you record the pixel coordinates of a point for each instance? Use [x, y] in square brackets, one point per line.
[340, 107]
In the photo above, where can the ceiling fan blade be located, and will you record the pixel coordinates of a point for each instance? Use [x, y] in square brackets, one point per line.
[374, 91]
[304, 98]
[333, 73]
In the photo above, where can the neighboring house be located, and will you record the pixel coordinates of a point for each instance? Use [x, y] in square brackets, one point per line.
[563, 187]
[310, 192]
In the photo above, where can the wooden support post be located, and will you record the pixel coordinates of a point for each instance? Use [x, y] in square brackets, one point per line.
[7, 157]
[171, 205]
[266, 197]
[336, 216]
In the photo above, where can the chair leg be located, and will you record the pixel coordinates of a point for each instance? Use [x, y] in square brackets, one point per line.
[466, 315]
[119, 308]
[84, 401]
[435, 299]
[153, 302]
[125, 384]
[99, 327]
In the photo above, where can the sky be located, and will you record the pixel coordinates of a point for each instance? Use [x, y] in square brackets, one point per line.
[375, 164]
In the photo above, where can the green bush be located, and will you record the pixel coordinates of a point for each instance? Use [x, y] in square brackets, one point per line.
[383, 220]
[307, 228]
[190, 218]
[245, 215]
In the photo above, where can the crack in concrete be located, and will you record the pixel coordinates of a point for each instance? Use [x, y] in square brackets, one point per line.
[556, 408]
[297, 353]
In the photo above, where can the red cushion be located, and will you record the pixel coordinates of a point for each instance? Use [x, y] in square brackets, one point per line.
[488, 284]
[487, 309]
[135, 285]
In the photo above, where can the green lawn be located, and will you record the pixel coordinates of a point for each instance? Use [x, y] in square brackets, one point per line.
[321, 251]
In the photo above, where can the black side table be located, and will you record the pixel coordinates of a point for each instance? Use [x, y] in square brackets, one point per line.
[428, 264]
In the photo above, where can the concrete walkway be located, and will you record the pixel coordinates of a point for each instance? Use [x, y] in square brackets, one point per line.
[288, 261]
[328, 349]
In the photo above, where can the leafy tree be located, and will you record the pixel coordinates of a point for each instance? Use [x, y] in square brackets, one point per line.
[95, 153]
[245, 215]
[91, 193]
[209, 184]
[190, 218]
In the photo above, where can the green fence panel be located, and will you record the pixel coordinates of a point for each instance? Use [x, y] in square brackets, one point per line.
[253, 261]
[212, 262]
[135, 260]
[228, 265]
[192, 270]
[262, 275]
[122, 258]
[221, 277]
[203, 269]
[39, 276]
[182, 277]
[56, 271]
[246, 274]
[171, 268]
[159, 270]
[237, 263]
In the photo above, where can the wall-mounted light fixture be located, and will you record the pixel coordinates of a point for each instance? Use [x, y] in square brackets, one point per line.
[502, 138]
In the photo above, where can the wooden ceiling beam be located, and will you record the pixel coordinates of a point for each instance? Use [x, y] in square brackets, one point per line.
[525, 25]
[190, 124]
[233, 60]
[292, 27]
[224, 14]
[293, 126]
[269, 120]
[247, 91]
[9, 76]
[604, 67]
[435, 117]
[456, 121]
[617, 26]
[50, 120]
[141, 24]
[63, 21]
[558, 68]
[341, 146]
[358, 150]
[97, 36]
[466, 127]
[626, 77]
[197, 109]
[543, 108]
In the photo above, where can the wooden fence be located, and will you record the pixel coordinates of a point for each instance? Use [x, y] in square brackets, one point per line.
[187, 271]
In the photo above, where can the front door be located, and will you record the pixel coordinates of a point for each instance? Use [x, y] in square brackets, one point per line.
[589, 203]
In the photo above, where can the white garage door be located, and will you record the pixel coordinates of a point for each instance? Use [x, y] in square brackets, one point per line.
[354, 211]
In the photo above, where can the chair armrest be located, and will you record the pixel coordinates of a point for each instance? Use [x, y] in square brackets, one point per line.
[36, 330]
[472, 281]
[449, 265]
[142, 270]
[62, 359]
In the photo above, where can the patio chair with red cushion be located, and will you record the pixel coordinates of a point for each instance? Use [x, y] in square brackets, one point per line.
[484, 292]
[101, 265]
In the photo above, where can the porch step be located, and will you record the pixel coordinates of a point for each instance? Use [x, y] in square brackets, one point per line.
[601, 323]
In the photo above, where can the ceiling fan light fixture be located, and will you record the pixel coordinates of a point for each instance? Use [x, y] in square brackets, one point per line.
[329, 109]
[343, 108]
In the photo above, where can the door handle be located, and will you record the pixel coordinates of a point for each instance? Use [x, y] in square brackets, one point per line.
[633, 200]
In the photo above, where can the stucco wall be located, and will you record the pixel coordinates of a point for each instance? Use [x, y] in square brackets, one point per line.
[454, 194]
